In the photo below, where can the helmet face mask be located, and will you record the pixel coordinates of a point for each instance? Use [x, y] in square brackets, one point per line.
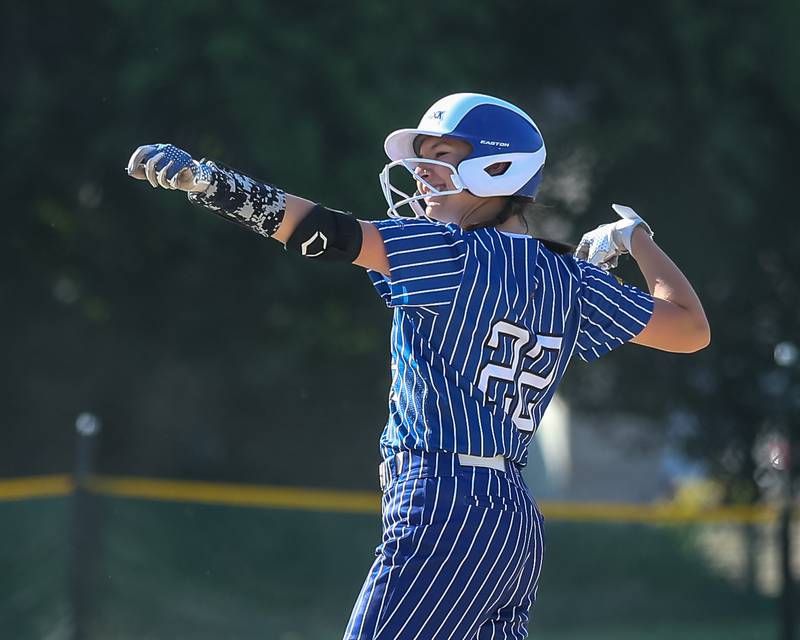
[497, 132]
[410, 165]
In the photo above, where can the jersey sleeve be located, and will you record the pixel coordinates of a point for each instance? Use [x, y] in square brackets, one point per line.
[611, 312]
[426, 262]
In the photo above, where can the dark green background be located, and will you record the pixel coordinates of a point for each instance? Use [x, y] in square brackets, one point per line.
[210, 354]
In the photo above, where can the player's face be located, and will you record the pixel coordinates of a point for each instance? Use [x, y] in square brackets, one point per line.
[448, 150]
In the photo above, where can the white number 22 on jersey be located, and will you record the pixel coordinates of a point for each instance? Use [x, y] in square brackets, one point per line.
[512, 372]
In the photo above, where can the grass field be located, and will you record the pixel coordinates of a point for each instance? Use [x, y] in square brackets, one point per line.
[174, 571]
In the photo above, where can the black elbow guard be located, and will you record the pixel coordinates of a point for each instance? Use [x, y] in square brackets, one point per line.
[327, 234]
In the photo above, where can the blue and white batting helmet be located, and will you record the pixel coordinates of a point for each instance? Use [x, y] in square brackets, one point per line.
[497, 131]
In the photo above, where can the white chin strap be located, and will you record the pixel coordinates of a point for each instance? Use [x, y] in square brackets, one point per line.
[410, 165]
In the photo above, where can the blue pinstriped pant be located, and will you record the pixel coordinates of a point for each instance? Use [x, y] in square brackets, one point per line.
[460, 557]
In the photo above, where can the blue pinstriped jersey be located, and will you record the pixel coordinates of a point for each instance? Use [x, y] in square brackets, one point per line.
[484, 326]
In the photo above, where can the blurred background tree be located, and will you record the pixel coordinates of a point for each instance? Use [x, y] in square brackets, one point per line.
[207, 350]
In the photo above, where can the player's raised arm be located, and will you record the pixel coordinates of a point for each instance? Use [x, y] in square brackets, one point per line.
[301, 225]
[678, 323]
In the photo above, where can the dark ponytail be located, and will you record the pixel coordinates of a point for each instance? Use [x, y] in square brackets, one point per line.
[525, 209]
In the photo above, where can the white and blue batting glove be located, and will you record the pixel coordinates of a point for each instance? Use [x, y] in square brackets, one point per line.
[167, 166]
[604, 245]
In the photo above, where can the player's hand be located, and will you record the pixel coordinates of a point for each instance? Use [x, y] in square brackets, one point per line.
[604, 245]
[167, 166]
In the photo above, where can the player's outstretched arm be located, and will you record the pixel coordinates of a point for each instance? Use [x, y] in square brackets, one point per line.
[301, 225]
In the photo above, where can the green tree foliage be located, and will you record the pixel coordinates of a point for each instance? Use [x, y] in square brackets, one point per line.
[208, 352]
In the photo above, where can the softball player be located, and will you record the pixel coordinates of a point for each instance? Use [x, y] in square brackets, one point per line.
[486, 319]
